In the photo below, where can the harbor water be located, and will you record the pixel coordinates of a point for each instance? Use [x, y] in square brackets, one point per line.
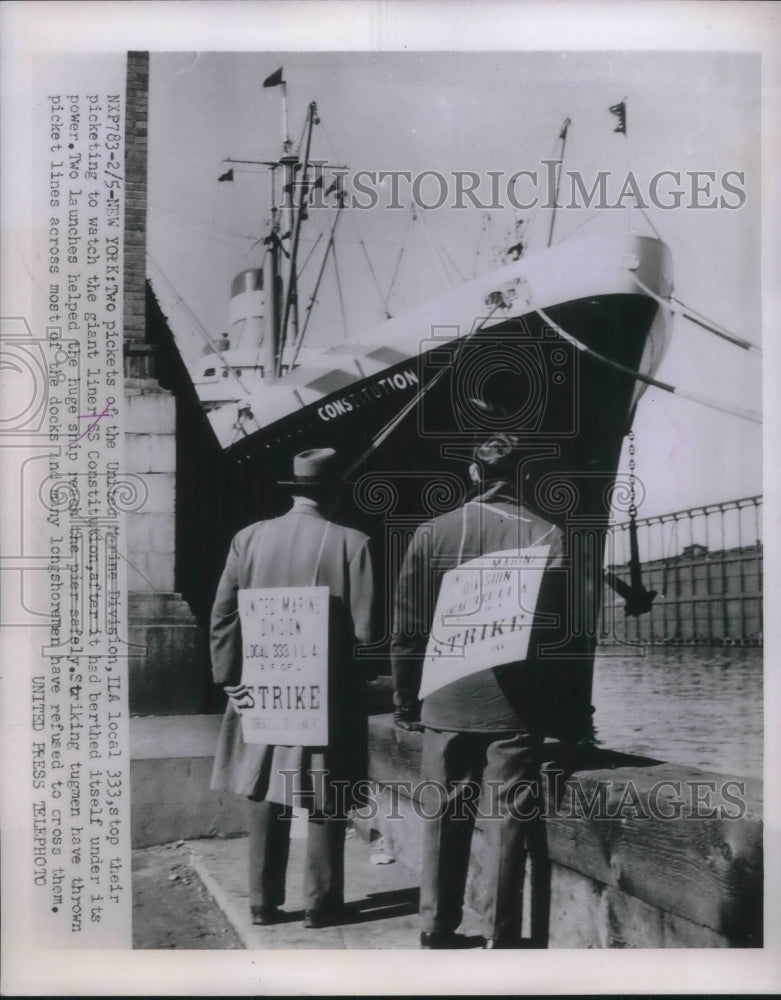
[698, 705]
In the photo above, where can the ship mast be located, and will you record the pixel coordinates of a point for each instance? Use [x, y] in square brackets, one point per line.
[272, 284]
[279, 278]
[295, 215]
[278, 273]
[287, 214]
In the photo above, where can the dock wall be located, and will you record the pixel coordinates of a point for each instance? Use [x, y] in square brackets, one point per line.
[635, 853]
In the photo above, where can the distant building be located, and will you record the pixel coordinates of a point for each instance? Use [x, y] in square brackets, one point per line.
[704, 596]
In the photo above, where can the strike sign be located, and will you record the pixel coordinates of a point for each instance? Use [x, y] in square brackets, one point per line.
[284, 636]
[484, 615]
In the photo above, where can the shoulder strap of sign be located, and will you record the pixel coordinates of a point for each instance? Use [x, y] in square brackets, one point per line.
[463, 534]
[320, 554]
[498, 510]
[543, 536]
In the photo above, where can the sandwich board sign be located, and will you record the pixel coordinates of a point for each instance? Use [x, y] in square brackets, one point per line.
[484, 615]
[284, 638]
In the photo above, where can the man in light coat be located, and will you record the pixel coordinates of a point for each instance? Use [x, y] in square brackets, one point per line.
[301, 548]
[483, 729]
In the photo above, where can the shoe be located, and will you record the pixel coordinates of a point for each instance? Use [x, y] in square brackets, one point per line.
[265, 915]
[491, 943]
[315, 919]
[445, 940]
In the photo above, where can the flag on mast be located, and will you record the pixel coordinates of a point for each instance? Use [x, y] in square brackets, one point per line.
[620, 111]
[227, 176]
[275, 79]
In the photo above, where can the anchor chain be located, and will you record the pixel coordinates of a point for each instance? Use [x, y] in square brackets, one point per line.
[632, 481]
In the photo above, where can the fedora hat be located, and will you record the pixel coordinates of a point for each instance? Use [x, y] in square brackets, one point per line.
[316, 467]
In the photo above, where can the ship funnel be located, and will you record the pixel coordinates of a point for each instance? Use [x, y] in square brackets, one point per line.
[247, 310]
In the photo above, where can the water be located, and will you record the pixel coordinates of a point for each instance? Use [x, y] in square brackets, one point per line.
[687, 705]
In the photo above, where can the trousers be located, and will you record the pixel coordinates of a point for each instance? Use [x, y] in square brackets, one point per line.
[269, 848]
[491, 779]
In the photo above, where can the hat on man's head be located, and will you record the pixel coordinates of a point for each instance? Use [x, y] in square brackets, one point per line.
[316, 467]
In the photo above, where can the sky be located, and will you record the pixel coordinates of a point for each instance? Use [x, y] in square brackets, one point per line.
[479, 112]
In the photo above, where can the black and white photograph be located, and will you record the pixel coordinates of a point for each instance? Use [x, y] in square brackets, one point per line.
[358, 275]
[389, 418]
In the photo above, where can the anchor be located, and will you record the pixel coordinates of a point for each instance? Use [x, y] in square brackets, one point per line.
[637, 600]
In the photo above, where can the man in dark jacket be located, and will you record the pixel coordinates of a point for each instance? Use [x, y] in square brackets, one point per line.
[301, 549]
[484, 727]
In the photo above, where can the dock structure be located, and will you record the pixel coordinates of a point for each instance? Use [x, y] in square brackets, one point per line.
[705, 564]
[630, 852]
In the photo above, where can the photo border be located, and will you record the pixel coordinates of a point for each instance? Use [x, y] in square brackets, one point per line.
[29, 29]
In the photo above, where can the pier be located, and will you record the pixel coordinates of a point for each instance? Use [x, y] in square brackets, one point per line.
[633, 852]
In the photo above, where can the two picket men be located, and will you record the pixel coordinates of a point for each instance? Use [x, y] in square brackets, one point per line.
[483, 729]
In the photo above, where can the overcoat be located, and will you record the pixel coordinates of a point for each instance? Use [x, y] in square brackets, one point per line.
[500, 698]
[301, 548]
